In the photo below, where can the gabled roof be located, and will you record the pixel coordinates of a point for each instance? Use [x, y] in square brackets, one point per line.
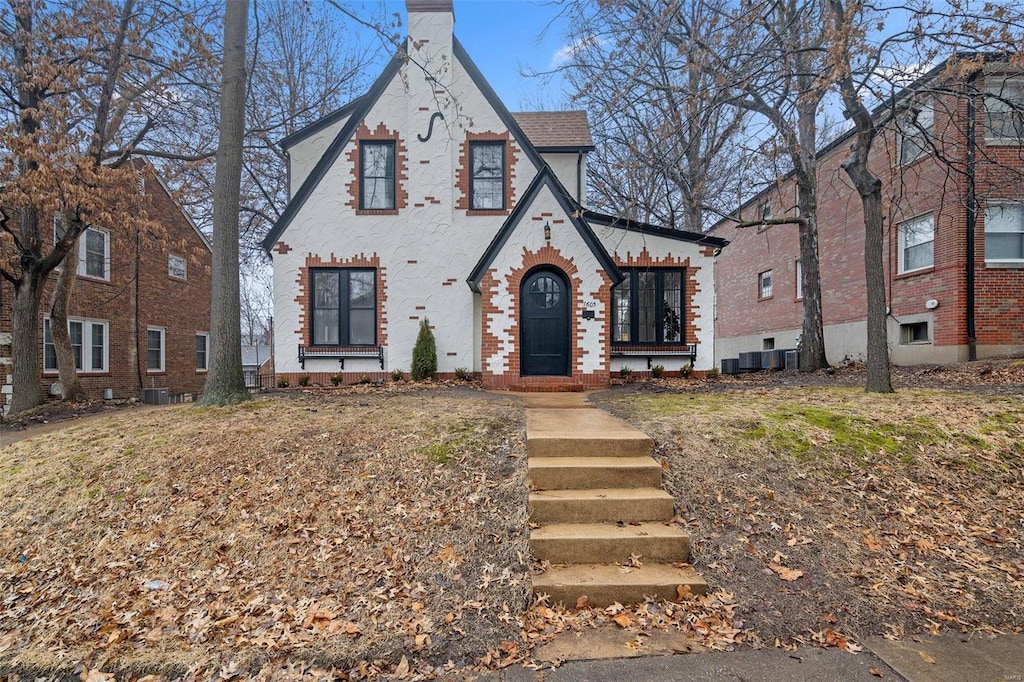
[556, 130]
[546, 178]
[360, 108]
[316, 126]
[647, 228]
[357, 111]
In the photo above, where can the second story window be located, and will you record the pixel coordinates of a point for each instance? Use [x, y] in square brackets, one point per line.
[764, 284]
[917, 244]
[487, 183]
[1004, 110]
[176, 267]
[377, 176]
[916, 129]
[1004, 232]
[94, 254]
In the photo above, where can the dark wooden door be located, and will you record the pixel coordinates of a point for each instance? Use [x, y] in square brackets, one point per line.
[544, 339]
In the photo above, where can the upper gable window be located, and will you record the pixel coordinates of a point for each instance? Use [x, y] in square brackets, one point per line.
[487, 184]
[916, 129]
[177, 267]
[1004, 110]
[377, 176]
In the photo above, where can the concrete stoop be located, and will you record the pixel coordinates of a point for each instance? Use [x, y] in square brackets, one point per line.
[601, 518]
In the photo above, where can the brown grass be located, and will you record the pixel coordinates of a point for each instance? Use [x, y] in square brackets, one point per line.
[336, 528]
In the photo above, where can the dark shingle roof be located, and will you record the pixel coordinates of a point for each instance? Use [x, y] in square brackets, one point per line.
[556, 129]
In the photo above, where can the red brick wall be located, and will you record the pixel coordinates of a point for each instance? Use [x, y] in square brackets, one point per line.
[923, 186]
[182, 307]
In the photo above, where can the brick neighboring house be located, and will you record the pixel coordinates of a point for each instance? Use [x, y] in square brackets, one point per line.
[954, 236]
[427, 199]
[140, 312]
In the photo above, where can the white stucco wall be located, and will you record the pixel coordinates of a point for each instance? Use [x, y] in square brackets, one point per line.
[303, 155]
[429, 248]
[564, 166]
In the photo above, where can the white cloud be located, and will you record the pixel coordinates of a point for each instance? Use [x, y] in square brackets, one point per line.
[567, 53]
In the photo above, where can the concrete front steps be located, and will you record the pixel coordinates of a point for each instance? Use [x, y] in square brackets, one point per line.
[602, 520]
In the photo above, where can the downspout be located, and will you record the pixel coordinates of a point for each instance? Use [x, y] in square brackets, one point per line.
[579, 178]
[972, 218]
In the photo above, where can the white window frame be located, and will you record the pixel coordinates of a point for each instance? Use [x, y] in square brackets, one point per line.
[206, 337]
[87, 347]
[163, 349]
[902, 246]
[798, 270]
[761, 281]
[996, 91]
[918, 126]
[82, 255]
[1019, 205]
[173, 257]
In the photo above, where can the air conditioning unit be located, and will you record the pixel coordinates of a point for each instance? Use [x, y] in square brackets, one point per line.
[750, 362]
[772, 359]
[155, 396]
[792, 359]
[730, 365]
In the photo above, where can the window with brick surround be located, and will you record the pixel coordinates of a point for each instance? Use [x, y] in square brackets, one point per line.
[917, 244]
[90, 343]
[764, 284]
[177, 267]
[1004, 109]
[1004, 232]
[377, 175]
[155, 349]
[94, 254]
[487, 179]
[202, 351]
[344, 307]
[916, 130]
[647, 307]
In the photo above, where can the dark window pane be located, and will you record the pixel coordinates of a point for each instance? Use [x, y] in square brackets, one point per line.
[325, 283]
[488, 176]
[154, 349]
[95, 254]
[378, 175]
[672, 294]
[49, 350]
[361, 329]
[647, 301]
[360, 287]
[75, 331]
[325, 326]
[201, 342]
[98, 334]
[621, 323]
[545, 292]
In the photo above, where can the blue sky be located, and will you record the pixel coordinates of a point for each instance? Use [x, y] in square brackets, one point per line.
[503, 36]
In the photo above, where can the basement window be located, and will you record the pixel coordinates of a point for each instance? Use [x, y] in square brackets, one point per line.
[914, 332]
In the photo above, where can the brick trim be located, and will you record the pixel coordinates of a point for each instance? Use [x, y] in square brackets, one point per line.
[380, 133]
[463, 176]
[360, 261]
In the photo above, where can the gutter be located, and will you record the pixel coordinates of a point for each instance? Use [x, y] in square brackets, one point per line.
[972, 218]
[579, 178]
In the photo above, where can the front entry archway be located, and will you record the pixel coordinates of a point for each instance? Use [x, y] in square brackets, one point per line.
[544, 339]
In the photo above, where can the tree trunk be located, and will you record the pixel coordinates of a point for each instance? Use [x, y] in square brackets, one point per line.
[25, 342]
[70, 384]
[225, 383]
[879, 379]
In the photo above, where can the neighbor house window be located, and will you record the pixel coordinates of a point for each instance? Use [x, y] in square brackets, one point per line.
[202, 351]
[344, 307]
[1004, 109]
[1004, 232]
[176, 267]
[89, 343]
[916, 129]
[155, 349]
[377, 179]
[917, 244]
[94, 253]
[915, 332]
[647, 307]
[799, 269]
[487, 184]
[764, 284]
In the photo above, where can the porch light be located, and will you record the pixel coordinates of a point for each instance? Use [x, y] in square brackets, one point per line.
[547, 231]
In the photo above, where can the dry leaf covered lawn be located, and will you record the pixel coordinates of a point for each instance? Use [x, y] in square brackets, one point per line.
[827, 510]
[334, 528]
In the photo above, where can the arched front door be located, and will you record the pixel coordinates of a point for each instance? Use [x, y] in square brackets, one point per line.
[544, 323]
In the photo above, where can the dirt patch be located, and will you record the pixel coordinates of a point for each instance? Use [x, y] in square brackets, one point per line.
[364, 530]
[829, 512]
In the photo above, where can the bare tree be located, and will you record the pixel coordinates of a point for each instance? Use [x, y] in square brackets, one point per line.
[225, 383]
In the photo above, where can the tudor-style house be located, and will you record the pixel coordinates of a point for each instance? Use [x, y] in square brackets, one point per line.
[427, 199]
[952, 166]
[139, 317]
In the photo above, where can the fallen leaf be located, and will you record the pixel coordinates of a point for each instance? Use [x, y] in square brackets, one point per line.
[927, 658]
[581, 603]
[623, 620]
[876, 672]
[788, 574]
[402, 670]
